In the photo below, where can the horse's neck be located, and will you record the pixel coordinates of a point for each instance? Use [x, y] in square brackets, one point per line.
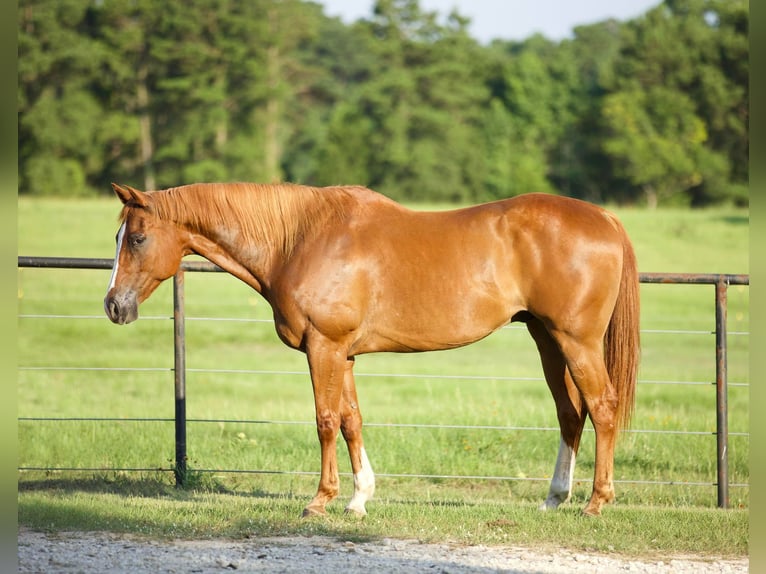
[226, 243]
[247, 269]
[251, 236]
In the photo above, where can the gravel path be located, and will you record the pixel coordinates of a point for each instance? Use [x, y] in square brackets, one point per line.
[75, 552]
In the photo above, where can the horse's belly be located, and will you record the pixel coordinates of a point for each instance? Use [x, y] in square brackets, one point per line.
[434, 324]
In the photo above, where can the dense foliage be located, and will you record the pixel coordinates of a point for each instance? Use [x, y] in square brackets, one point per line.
[155, 94]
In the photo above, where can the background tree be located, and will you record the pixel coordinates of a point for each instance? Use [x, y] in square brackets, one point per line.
[656, 141]
[650, 111]
[680, 56]
[65, 134]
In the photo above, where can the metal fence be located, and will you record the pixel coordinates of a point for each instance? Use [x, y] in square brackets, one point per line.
[720, 281]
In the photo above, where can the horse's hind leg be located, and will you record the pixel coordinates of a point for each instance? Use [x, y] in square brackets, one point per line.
[570, 411]
[585, 360]
[351, 427]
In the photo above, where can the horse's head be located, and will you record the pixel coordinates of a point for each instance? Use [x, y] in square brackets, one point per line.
[148, 252]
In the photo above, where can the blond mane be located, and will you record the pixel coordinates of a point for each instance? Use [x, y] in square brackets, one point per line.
[279, 215]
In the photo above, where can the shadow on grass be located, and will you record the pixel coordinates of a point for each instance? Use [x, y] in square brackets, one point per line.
[736, 219]
[160, 484]
[155, 507]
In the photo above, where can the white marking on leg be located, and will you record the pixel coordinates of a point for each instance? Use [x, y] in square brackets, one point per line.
[364, 487]
[563, 475]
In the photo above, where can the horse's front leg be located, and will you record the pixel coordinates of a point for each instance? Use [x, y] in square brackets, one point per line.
[327, 362]
[351, 427]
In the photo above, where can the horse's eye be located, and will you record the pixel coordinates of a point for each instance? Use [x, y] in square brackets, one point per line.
[137, 239]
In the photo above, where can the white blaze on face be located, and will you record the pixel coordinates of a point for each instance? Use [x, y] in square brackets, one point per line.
[113, 278]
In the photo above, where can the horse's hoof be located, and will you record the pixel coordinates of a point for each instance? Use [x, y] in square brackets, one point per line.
[552, 503]
[591, 512]
[356, 512]
[311, 511]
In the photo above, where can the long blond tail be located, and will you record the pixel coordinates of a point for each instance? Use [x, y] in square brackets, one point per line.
[622, 342]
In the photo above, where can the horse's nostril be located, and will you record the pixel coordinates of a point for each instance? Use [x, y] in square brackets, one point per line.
[121, 308]
[112, 309]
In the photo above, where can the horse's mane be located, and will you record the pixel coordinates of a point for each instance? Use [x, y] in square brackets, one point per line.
[279, 215]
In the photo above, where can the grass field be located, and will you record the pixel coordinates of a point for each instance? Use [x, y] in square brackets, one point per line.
[436, 389]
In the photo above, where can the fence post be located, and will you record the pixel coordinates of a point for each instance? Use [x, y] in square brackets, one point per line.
[179, 346]
[722, 409]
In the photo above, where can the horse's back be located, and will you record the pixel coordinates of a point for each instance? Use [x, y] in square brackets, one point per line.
[482, 265]
[409, 280]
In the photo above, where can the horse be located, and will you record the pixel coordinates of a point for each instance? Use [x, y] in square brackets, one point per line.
[348, 271]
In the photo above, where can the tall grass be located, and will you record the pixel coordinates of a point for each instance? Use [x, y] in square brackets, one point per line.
[440, 388]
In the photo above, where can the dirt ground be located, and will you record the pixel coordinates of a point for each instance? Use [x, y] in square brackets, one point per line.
[76, 552]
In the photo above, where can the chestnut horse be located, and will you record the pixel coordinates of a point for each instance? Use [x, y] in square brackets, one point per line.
[348, 271]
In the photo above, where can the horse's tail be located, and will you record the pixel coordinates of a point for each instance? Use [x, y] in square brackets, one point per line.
[622, 343]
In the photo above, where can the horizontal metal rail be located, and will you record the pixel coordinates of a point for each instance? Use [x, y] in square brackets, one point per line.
[207, 267]
[721, 282]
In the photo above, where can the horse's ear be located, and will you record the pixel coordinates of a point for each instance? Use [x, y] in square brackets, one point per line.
[128, 194]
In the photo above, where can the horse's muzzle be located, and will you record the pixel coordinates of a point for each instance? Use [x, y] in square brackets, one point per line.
[121, 308]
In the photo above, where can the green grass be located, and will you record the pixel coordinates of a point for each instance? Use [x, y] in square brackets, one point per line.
[149, 506]
[652, 517]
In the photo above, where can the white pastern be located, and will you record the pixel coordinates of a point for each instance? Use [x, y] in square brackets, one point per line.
[364, 487]
[563, 475]
[113, 278]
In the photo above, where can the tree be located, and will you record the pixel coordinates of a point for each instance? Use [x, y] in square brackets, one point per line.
[404, 101]
[416, 109]
[514, 162]
[698, 49]
[65, 134]
[656, 141]
[267, 77]
[579, 166]
[128, 31]
[187, 54]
